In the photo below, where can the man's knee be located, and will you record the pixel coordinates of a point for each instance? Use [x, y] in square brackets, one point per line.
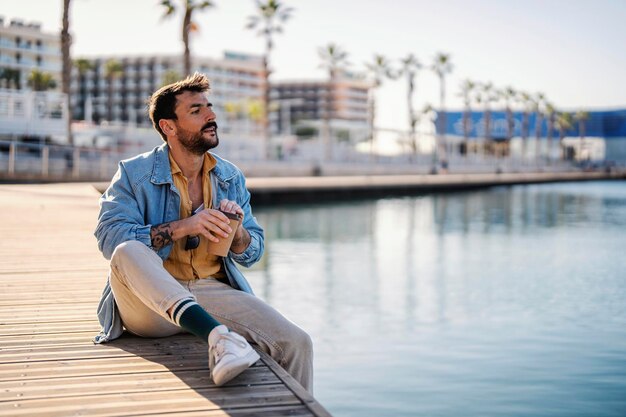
[300, 341]
[126, 250]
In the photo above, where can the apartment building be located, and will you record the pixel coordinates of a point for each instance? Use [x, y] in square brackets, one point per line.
[344, 103]
[99, 94]
[24, 47]
[26, 114]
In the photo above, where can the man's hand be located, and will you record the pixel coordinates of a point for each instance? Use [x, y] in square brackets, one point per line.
[242, 237]
[209, 223]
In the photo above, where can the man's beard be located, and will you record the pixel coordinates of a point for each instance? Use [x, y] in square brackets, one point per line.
[196, 143]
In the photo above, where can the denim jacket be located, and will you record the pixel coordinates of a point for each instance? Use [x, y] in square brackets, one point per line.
[142, 194]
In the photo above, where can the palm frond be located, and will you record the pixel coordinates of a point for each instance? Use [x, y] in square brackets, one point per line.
[170, 9]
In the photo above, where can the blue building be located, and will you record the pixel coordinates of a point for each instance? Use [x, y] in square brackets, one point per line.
[607, 125]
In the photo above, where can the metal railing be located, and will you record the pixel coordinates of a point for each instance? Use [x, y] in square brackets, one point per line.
[34, 161]
[49, 162]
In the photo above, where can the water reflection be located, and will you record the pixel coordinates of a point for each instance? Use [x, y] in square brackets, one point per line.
[371, 250]
[448, 282]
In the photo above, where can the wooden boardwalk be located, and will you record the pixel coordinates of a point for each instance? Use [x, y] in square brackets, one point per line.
[51, 276]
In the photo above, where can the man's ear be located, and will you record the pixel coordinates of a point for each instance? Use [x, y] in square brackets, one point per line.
[167, 126]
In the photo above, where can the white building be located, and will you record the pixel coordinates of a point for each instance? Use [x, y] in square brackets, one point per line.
[24, 47]
[32, 115]
[344, 103]
[25, 114]
[98, 97]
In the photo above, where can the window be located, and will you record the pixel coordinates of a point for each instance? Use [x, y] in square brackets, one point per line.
[18, 108]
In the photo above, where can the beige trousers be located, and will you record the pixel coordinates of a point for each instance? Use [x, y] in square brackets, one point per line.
[144, 291]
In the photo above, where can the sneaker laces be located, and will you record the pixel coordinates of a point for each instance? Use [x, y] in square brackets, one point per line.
[220, 348]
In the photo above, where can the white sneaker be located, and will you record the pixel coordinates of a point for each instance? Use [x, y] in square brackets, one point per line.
[229, 355]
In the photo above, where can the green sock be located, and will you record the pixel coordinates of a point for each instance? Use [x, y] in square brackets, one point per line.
[190, 316]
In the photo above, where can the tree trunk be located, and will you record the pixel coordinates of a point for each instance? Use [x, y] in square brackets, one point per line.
[509, 123]
[441, 119]
[265, 122]
[372, 124]
[524, 133]
[466, 116]
[581, 131]
[412, 119]
[328, 117]
[186, 29]
[110, 92]
[550, 134]
[66, 42]
[538, 135]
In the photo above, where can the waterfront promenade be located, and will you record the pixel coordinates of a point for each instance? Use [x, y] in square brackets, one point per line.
[51, 276]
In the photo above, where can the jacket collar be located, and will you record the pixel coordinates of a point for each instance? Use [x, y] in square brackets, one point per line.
[223, 171]
[161, 170]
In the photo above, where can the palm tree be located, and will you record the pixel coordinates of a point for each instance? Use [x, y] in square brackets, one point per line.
[112, 69]
[467, 88]
[508, 94]
[41, 80]
[581, 117]
[188, 24]
[271, 15]
[538, 102]
[429, 113]
[10, 78]
[334, 59]
[170, 77]
[410, 67]
[83, 66]
[379, 69]
[442, 66]
[550, 114]
[478, 99]
[564, 122]
[488, 96]
[66, 67]
[526, 101]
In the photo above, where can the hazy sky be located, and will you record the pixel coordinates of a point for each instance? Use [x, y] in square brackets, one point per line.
[571, 50]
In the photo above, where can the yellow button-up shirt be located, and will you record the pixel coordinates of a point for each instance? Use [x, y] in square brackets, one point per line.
[197, 263]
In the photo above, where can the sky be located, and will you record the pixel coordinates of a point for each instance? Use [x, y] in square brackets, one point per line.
[570, 50]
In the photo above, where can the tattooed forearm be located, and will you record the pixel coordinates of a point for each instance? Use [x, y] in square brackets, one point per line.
[161, 235]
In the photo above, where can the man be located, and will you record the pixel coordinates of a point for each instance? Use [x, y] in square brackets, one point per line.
[157, 221]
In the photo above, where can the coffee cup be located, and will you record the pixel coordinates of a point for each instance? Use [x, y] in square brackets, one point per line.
[222, 247]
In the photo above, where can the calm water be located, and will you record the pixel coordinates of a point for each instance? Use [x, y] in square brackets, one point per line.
[504, 302]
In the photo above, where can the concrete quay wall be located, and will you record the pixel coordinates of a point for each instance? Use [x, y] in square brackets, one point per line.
[314, 189]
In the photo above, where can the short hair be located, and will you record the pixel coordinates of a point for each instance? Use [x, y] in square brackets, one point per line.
[162, 103]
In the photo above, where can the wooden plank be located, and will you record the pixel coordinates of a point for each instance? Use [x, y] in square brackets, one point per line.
[88, 325]
[45, 341]
[42, 317]
[160, 401]
[129, 364]
[78, 308]
[108, 384]
[84, 351]
[291, 411]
